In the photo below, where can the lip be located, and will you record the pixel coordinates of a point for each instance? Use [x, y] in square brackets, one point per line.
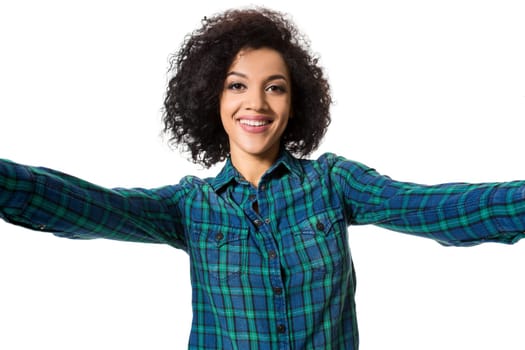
[252, 128]
[254, 117]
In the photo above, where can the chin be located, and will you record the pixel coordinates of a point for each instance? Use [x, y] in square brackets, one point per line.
[259, 150]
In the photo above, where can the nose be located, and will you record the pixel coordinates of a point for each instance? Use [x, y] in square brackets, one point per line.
[255, 99]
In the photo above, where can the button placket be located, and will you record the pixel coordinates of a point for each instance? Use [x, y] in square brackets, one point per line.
[263, 224]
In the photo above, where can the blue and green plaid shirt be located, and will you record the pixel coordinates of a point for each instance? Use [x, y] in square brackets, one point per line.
[270, 266]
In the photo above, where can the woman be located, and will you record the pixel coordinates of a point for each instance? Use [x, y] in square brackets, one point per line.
[270, 264]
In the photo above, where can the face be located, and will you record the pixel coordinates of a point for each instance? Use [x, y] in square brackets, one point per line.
[255, 103]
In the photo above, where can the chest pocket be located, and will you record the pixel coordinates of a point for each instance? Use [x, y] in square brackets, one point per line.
[221, 251]
[321, 242]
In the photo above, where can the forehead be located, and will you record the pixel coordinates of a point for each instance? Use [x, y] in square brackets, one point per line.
[259, 62]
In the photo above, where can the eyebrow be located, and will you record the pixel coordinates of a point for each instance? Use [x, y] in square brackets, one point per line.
[270, 78]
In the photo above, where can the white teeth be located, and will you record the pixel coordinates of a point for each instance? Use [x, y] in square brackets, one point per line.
[254, 122]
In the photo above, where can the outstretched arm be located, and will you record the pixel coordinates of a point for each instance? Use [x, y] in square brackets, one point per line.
[47, 200]
[453, 214]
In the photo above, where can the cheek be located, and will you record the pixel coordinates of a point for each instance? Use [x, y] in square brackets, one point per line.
[226, 123]
[223, 111]
[228, 104]
[285, 107]
[226, 112]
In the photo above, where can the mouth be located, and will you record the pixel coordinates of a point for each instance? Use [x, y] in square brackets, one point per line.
[255, 124]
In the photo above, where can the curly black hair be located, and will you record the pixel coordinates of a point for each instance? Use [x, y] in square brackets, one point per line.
[191, 107]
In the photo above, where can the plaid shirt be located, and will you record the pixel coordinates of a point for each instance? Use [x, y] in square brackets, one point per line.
[277, 275]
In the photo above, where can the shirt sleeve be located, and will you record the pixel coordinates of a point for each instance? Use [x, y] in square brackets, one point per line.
[459, 214]
[47, 200]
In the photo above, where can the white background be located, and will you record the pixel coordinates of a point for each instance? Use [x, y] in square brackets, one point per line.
[425, 91]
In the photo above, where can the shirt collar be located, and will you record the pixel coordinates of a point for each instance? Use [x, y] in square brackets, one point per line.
[229, 173]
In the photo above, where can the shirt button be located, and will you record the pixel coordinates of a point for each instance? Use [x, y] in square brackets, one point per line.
[320, 226]
[267, 221]
[251, 197]
[258, 223]
[219, 237]
[263, 187]
[281, 328]
[277, 290]
[272, 254]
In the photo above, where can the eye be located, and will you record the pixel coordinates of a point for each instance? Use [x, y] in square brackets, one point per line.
[276, 88]
[236, 86]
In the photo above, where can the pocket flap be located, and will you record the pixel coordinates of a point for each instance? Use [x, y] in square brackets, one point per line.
[225, 235]
[320, 223]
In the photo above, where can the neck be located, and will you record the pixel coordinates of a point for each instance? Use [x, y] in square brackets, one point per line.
[253, 167]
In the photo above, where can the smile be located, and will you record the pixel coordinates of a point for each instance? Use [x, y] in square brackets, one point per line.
[254, 122]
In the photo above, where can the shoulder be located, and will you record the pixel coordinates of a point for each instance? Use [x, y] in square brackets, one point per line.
[190, 183]
[331, 162]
